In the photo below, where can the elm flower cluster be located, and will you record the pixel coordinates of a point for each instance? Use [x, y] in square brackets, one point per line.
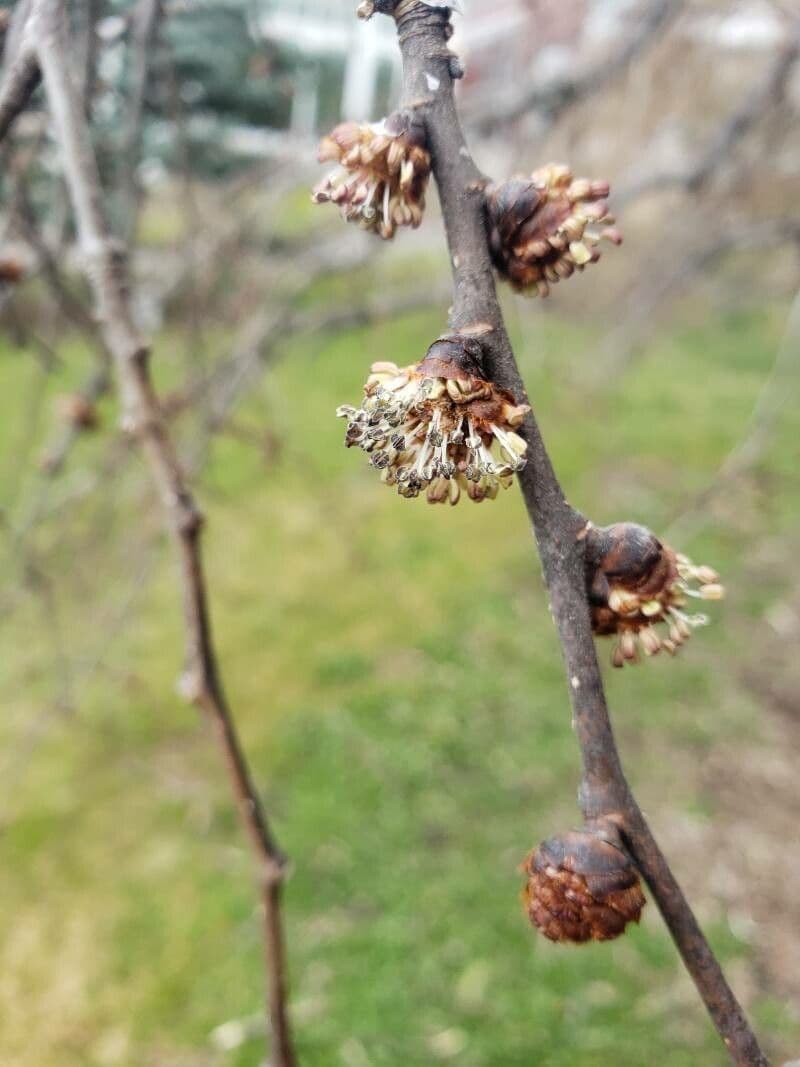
[545, 228]
[639, 589]
[382, 173]
[439, 427]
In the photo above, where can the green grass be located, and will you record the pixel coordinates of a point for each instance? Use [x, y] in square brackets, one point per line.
[398, 686]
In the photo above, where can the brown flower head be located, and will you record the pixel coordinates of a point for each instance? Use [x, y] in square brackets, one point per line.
[638, 590]
[439, 426]
[544, 228]
[582, 887]
[382, 173]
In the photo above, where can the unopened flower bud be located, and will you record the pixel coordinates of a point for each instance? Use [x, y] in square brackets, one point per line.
[439, 426]
[382, 173]
[582, 887]
[11, 270]
[544, 228]
[638, 589]
[78, 411]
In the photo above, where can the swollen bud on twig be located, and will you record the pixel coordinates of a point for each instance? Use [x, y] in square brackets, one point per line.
[638, 589]
[11, 271]
[78, 411]
[582, 887]
[439, 426]
[544, 228]
[383, 172]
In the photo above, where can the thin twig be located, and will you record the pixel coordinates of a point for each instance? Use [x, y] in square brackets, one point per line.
[90, 53]
[778, 391]
[613, 357]
[767, 93]
[105, 268]
[558, 527]
[553, 98]
[20, 69]
[144, 27]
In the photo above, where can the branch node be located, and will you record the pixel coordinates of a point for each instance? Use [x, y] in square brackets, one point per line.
[456, 67]
[191, 520]
[191, 685]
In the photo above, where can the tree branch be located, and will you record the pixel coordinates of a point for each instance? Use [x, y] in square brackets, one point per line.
[559, 528]
[553, 98]
[20, 69]
[105, 268]
[766, 94]
[144, 29]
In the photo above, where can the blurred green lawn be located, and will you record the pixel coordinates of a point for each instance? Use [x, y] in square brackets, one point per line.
[398, 686]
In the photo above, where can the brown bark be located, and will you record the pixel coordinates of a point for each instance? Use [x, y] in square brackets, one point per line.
[559, 528]
[105, 264]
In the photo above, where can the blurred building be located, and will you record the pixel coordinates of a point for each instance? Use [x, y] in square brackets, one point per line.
[361, 58]
[351, 68]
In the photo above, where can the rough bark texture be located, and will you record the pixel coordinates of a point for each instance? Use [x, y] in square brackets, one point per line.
[20, 67]
[105, 264]
[429, 69]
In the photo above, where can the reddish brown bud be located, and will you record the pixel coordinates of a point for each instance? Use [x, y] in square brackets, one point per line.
[77, 411]
[638, 588]
[544, 228]
[11, 271]
[582, 887]
[453, 356]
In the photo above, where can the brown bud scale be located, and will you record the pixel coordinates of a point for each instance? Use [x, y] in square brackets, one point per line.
[11, 271]
[544, 228]
[582, 887]
[638, 589]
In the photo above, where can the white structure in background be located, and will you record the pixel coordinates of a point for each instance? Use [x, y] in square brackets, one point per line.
[329, 29]
[746, 26]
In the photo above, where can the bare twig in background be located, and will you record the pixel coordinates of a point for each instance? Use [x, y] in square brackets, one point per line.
[105, 267]
[84, 404]
[20, 69]
[560, 530]
[772, 400]
[614, 355]
[71, 306]
[76, 679]
[552, 99]
[144, 29]
[92, 11]
[767, 93]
